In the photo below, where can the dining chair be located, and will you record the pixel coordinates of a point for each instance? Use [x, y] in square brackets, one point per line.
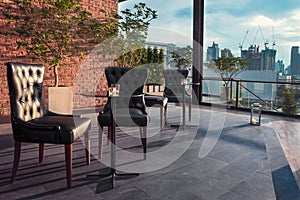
[32, 123]
[130, 105]
[154, 100]
[175, 89]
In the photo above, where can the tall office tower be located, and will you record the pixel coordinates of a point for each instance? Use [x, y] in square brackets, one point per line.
[212, 52]
[295, 61]
[279, 67]
[226, 52]
[268, 59]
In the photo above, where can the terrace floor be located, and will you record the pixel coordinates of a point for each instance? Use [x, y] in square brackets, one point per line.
[222, 157]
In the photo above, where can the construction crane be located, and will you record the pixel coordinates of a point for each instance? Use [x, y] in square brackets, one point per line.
[274, 43]
[266, 42]
[254, 37]
[241, 44]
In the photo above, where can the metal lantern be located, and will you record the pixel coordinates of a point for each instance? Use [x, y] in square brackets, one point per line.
[255, 118]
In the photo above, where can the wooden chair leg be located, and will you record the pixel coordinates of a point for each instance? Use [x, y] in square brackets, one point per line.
[41, 152]
[87, 147]
[143, 133]
[68, 158]
[100, 142]
[16, 161]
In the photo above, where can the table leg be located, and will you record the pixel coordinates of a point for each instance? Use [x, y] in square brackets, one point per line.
[113, 172]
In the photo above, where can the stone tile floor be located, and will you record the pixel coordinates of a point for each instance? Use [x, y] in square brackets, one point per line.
[222, 158]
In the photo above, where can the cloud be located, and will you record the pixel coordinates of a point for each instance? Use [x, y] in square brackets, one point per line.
[184, 13]
[174, 18]
[227, 21]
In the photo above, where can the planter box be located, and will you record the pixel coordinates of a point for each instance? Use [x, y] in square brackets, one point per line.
[225, 93]
[60, 99]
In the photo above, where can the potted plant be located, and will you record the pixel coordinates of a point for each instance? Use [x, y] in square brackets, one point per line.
[227, 68]
[57, 30]
[54, 31]
[51, 30]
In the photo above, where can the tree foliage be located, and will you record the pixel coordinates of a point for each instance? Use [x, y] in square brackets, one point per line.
[154, 62]
[51, 30]
[183, 56]
[134, 26]
[227, 67]
[289, 104]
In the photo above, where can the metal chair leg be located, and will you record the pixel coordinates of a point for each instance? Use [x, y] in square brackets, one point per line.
[143, 133]
[190, 111]
[100, 142]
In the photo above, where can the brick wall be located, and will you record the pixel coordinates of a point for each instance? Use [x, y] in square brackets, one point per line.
[83, 75]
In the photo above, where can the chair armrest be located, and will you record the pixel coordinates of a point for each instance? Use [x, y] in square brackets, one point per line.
[93, 95]
[50, 113]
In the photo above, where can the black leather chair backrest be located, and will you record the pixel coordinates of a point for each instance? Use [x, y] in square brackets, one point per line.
[25, 90]
[132, 81]
[173, 80]
[113, 74]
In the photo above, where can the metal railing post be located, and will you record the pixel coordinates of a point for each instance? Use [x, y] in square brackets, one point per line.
[237, 93]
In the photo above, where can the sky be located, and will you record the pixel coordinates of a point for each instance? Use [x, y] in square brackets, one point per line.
[227, 22]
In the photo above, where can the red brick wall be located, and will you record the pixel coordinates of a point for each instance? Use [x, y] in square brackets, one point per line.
[90, 70]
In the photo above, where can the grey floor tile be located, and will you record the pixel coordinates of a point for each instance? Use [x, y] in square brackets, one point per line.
[247, 162]
[256, 186]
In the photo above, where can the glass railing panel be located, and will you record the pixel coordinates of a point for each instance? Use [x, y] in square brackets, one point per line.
[273, 97]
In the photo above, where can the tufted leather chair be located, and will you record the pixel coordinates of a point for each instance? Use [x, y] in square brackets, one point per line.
[31, 122]
[130, 105]
[174, 90]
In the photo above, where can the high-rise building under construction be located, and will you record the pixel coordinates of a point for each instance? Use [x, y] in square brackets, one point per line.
[259, 60]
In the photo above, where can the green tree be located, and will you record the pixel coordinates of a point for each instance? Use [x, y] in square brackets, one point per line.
[155, 55]
[227, 67]
[150, 55]
[161, 56]
[52, 30]
[157, 67]
[183, 56]
[134, 27]
[289, 104]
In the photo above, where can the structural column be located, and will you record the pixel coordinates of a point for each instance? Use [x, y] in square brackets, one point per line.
[197, 70]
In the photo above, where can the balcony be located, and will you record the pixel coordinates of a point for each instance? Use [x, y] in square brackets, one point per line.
[224, 157]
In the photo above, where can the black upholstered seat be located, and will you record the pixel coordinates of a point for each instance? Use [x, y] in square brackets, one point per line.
[158, 101]
[130, 105]
[174, 90]
[31, 122]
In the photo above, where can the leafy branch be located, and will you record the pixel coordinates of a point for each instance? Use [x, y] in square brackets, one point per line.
[228, 67]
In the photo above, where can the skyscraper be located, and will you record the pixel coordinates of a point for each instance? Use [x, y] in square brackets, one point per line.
[226, 52]
[279, 67]
[212, 52]
[295, 61]
[259, 60]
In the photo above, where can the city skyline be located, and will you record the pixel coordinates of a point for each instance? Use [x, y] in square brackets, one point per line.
[227, 21]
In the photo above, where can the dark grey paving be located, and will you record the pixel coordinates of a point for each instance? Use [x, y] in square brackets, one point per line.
[245, 163]
[284, 182]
